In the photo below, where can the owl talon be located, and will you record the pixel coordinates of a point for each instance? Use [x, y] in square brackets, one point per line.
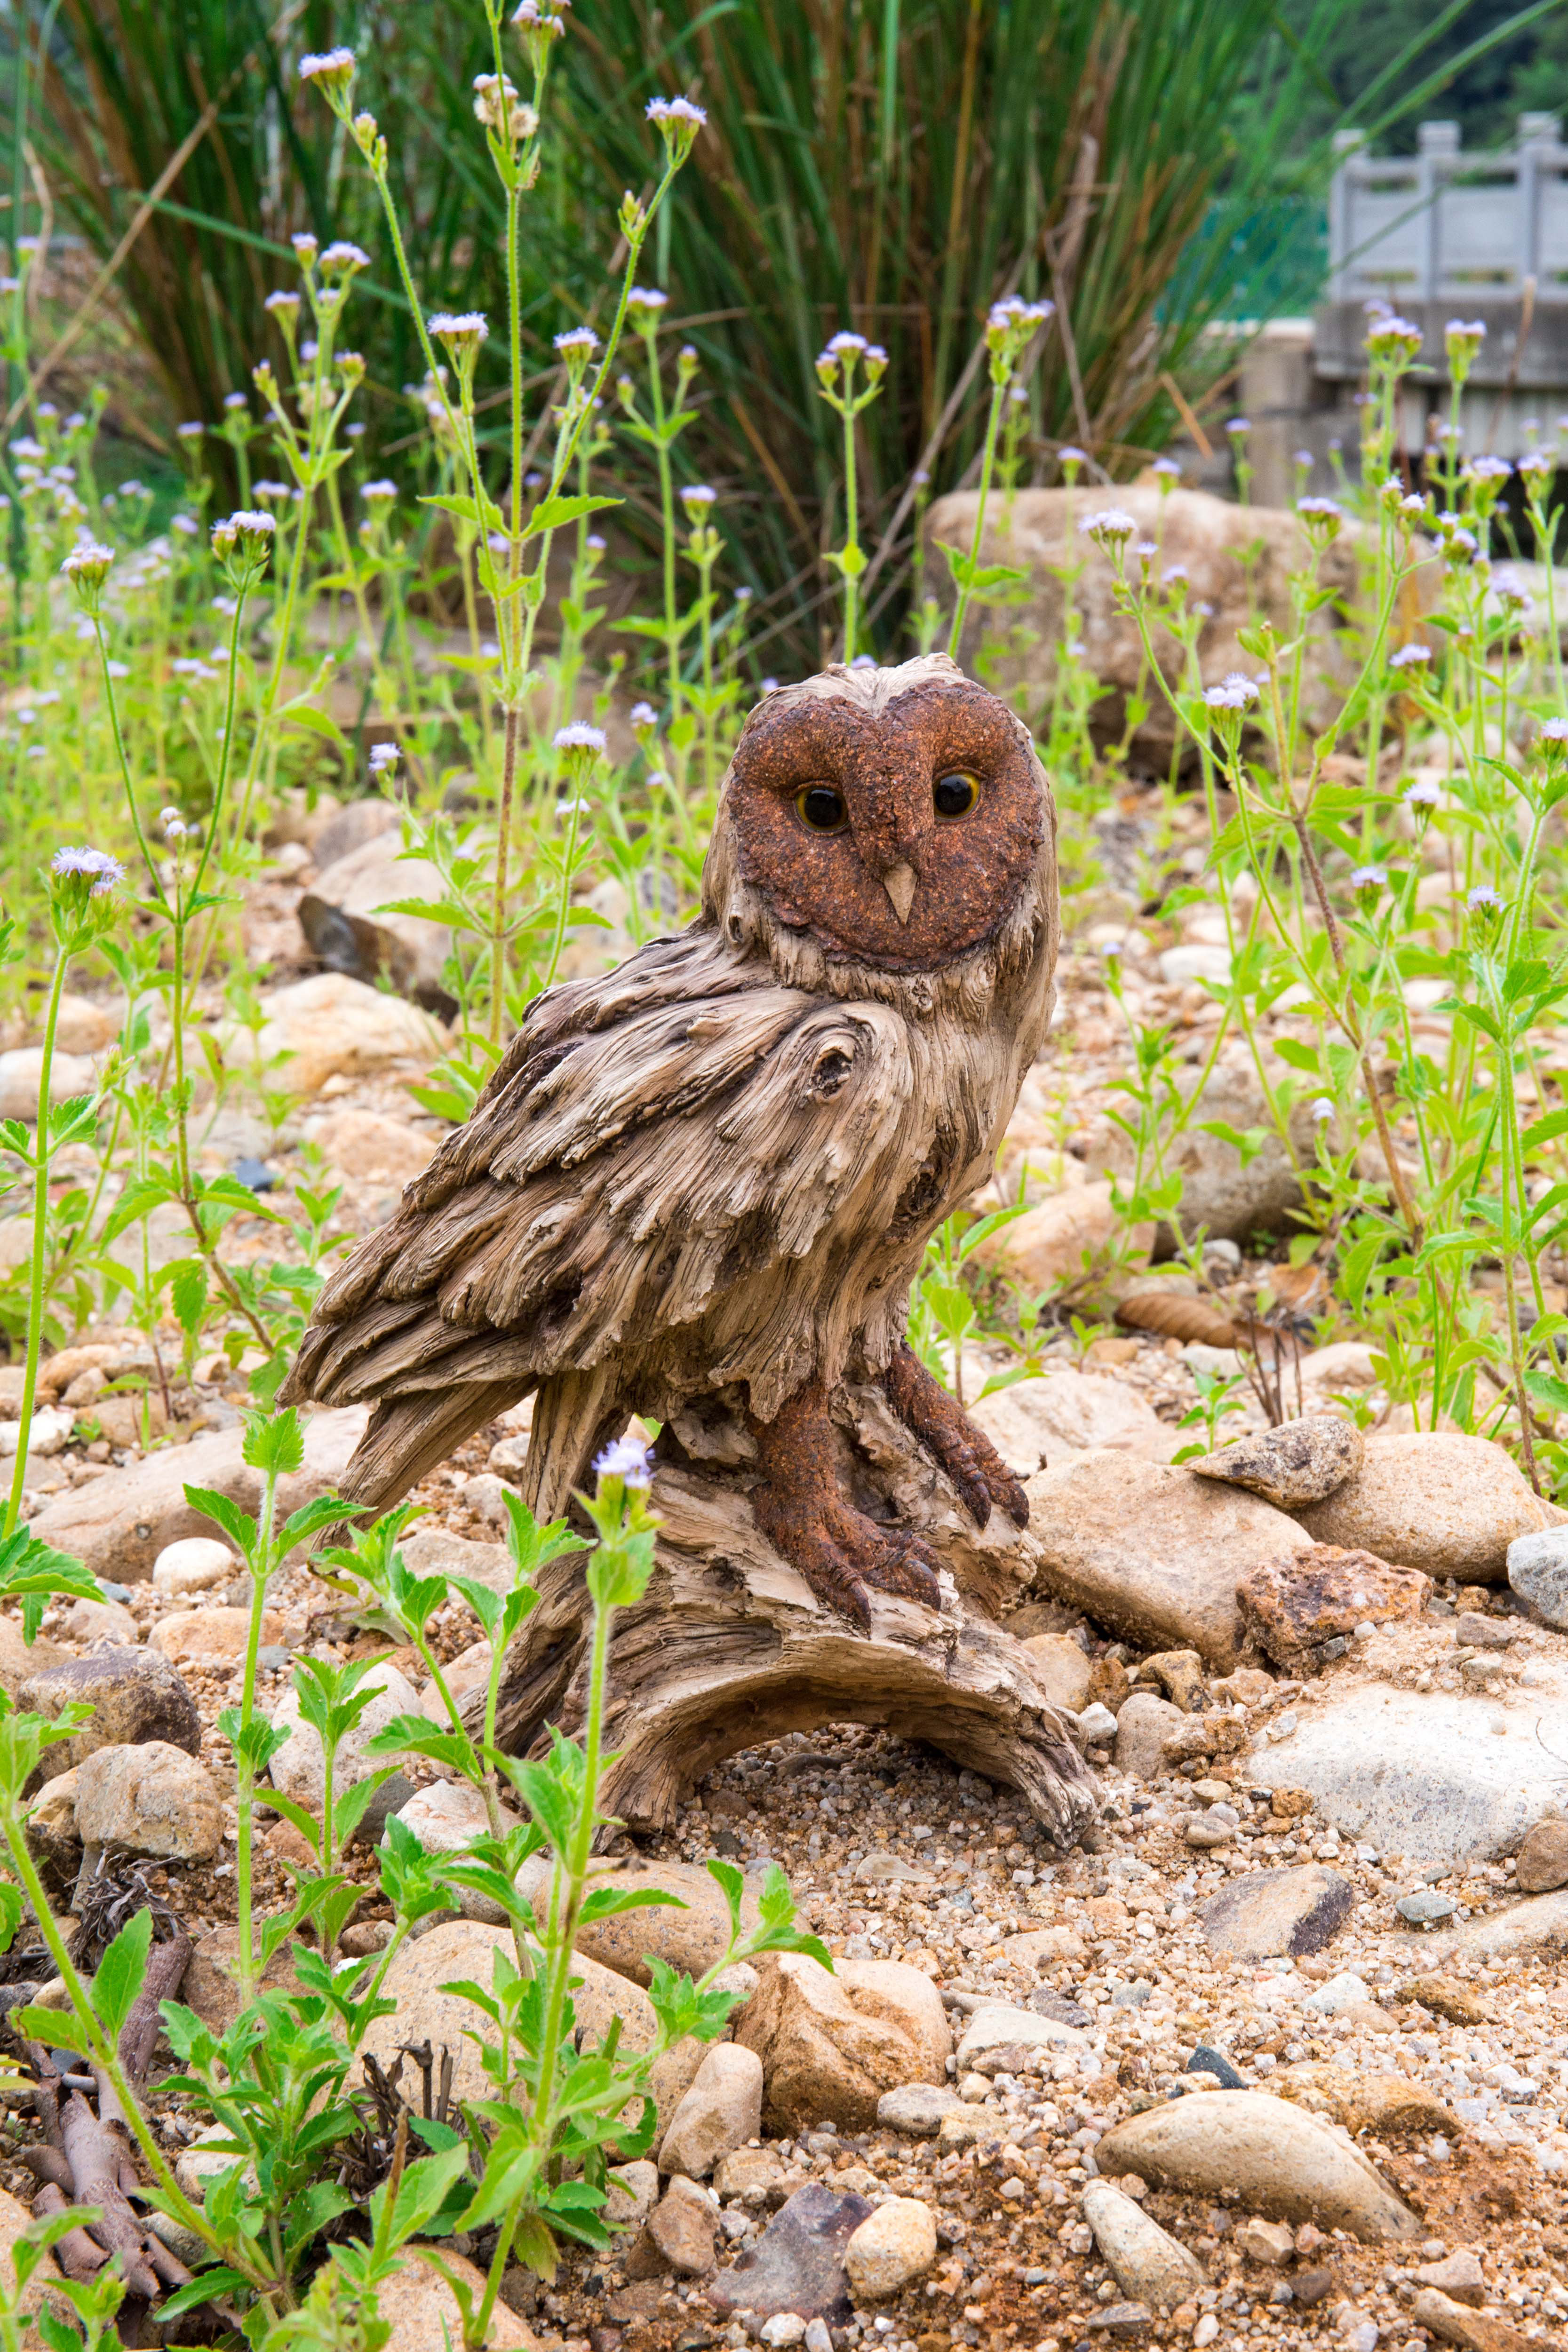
[838, 1551]
[966, 1453]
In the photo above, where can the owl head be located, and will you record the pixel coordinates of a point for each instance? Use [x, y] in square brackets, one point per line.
[895, 817]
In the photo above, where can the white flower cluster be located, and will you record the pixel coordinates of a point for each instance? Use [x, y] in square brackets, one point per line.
[1111, 525]
[1233, 692]
[329, 67]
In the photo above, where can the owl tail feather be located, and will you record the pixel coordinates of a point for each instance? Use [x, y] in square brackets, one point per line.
[409, 1436]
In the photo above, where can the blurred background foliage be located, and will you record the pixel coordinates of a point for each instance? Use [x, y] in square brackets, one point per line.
[1155, 167]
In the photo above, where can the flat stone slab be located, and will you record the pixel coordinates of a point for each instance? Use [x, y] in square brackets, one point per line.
[1427, 1775]
[1537, 1925]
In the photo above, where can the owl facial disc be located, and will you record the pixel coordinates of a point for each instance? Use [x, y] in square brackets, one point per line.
[901, 835]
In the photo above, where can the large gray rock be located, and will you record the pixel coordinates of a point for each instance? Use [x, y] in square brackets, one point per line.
[1543, 1865]
[1147, 2262]
[135, 1696]
[676, 2236]
[118, 1524]
[1433, 1499]
[892, 2247]
[1538, 1572]
[22, 1073]
[997, 2025]
[692, 1934]
[422, 2311]
[917, 2108]
[1062, 1669]
[331, 1026]
[1278, 2160]
[1294, 1610]
[347, 829]
[371, 1150]
[434, 1552]
[1439, 1778]
[1154, 1553]
[152, 1800]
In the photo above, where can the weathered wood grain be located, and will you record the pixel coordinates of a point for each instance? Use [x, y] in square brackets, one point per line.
[730, 1648]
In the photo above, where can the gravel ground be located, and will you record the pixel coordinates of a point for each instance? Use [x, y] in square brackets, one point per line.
[895, 1854]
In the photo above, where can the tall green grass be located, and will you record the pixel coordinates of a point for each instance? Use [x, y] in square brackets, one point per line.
[890, 164]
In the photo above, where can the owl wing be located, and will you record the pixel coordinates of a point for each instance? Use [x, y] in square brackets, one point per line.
[653, 1141]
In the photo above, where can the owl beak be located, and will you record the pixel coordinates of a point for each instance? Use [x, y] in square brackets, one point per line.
[899, 882]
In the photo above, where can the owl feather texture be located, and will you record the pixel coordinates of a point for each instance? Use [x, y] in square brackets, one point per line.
[706, 1180]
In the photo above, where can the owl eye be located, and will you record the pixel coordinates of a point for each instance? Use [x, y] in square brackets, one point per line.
[821, 809]
[956, 794]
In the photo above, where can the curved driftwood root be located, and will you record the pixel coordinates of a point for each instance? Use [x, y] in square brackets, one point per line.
[730, 1648]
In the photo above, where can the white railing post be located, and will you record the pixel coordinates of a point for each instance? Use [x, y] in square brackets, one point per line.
[1342, 212]
[1437, 144]
[1538, 134]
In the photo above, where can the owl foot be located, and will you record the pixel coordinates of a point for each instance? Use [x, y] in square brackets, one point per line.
[966, 1453]
[838, 1550]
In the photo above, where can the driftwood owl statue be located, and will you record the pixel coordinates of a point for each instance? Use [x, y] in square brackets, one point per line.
[710, 1176]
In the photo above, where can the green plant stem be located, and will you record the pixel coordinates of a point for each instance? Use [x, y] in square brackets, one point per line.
[667, 514]
[41, 1230]
[123, 758]
[105, 2055]
[245, 1796]
[563, 908]
[961, 606]
[509, 744]
[563, 1929]
[851, 537]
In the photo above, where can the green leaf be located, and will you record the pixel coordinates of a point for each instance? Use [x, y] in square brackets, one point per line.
[547, 1798]
[205, 2287]
[315, 722]
[311, 1518]
[138, 1199]
[119, 1974]
[58, 2027]
[237, 1524]
[606, 1903]
[1545, 1131]
[1479, 1018]
[732, 1884]
[34, 1572]
[421, 2193]
[553, 514]
[466, 511]
[1547, 1389]
[309, 1827]
[348, 1809]
[274, 1443]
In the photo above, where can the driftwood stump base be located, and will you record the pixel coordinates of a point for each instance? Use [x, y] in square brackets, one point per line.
[729, 1648]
